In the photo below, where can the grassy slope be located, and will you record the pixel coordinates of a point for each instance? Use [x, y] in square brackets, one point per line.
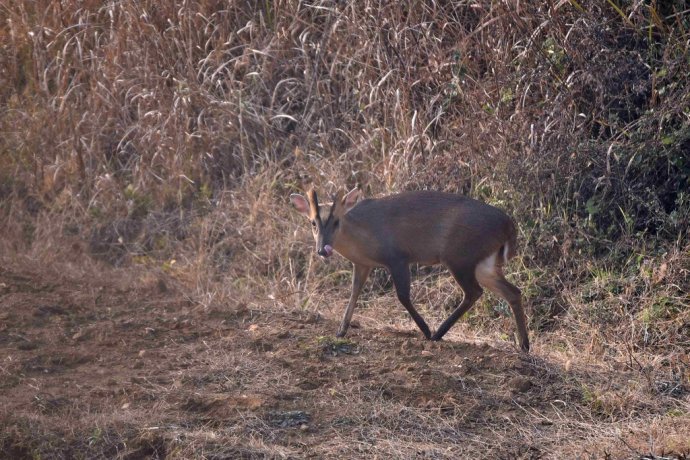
[167, 137]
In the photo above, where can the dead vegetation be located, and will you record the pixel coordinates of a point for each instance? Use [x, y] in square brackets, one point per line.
[160, 299]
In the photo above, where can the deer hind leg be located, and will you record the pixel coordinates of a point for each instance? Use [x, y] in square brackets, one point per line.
[489, 273]
[472, 290]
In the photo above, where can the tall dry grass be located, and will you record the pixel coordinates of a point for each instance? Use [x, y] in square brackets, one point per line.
[168, 135]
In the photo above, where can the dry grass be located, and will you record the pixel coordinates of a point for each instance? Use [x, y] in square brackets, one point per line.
[164, 138]
[150, 374]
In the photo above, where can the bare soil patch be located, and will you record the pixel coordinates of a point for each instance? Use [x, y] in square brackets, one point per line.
[106, 367]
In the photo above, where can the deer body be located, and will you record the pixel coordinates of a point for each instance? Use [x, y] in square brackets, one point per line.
[472, 239]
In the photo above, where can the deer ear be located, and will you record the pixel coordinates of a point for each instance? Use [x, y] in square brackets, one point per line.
[350, 199]
[300, 203]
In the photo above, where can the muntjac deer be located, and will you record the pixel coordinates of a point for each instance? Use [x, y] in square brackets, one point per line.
[472, 239]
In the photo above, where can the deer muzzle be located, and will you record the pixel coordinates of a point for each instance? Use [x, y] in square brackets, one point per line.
[326, 251]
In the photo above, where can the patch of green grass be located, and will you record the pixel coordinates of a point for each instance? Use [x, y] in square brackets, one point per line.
[662, 307]
[675, 412]
[591, 398]
[336, 345]
[141, 203]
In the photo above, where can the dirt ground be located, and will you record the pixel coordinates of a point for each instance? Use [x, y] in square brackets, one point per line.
[118, 366]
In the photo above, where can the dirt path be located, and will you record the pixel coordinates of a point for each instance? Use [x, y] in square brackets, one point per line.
[101, 369]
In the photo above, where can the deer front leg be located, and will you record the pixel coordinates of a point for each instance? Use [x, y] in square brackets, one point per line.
[359, 276]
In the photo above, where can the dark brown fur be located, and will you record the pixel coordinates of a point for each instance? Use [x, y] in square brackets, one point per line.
[472, 239]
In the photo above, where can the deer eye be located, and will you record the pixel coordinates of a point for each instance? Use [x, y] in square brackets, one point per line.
[336, 224]
[313, 223]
